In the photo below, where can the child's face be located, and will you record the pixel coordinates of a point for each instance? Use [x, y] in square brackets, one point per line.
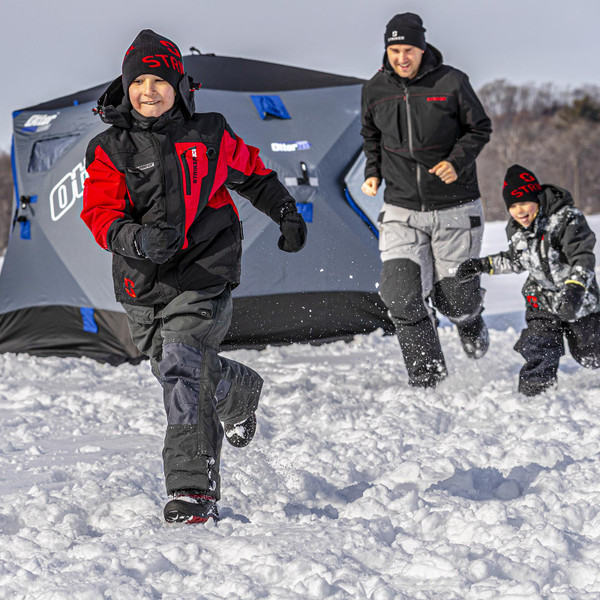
[524, 212]
[151, 96]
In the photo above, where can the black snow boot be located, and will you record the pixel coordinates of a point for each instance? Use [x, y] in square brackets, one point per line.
[533, 388]
[422, 353]
[241, 434]
[191, 506]
[474, 337]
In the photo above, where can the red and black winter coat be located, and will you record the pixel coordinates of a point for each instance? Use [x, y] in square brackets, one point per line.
[557, 247]
[409, 125]
[172, 169]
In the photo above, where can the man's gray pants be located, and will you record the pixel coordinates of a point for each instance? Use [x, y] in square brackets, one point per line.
[200, 388]
[420, 252]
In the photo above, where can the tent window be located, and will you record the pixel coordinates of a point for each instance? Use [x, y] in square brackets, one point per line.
[46, 152]
[270, 106]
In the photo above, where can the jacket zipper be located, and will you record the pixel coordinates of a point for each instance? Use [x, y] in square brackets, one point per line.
[410, 144]
[186, 172]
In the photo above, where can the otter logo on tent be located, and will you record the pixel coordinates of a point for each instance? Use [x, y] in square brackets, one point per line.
[67, 191]
[39, 122]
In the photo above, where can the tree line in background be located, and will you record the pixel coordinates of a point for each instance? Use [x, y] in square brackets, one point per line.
[553, 132]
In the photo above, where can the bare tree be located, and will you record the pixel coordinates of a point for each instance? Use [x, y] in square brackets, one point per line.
[6, 199]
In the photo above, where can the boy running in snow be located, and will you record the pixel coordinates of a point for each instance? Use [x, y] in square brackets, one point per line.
[551, 239]
[156, 197]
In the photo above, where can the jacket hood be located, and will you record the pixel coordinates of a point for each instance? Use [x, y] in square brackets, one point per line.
[553, 198]
[114, 107]
[432, 59]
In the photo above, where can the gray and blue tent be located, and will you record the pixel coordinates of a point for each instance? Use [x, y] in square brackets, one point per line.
[56, 295]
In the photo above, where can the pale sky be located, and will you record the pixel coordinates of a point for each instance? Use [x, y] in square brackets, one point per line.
[53, 48]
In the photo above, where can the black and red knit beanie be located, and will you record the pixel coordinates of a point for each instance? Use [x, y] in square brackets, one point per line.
[155, 54]
[520, 185]
[406, 28]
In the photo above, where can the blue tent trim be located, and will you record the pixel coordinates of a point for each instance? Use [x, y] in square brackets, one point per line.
[87, 316]
[25, 230]
[306, 210]
[360, 213]
[13, 162]
[271, 106]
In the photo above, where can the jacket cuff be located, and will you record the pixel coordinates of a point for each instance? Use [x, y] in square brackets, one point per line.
[278, 212]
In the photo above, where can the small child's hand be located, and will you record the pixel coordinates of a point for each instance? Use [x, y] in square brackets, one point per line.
[571, 301]
[473, 267]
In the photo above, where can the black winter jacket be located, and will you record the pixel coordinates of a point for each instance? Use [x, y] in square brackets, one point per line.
[172, 169]
[409, 125]
[558, 246]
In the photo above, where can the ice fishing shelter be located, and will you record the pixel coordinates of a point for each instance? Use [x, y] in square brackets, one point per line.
[56, 295]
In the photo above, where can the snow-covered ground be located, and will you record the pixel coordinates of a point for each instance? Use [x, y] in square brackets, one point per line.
[356, 486]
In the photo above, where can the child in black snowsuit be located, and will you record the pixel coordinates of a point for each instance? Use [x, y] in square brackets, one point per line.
[551, 239]
[156, 197]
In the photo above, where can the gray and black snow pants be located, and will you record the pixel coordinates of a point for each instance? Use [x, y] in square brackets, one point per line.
[420, 252]
[200, 388]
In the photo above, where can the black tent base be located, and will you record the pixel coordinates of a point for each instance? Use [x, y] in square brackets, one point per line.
[258, 321]
[62, 331]
[278, 319]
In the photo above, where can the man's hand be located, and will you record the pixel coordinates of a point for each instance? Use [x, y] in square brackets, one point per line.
[445, 171]
[370, 186]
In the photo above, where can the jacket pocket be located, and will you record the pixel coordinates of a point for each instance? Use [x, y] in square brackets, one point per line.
[134, 280]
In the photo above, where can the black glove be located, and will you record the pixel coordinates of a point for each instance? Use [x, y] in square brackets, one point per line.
[473, 267]
[571, 301]
[157, 242]
[293, 231]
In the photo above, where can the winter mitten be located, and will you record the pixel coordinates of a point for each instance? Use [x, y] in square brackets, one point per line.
[571, 301]
[473, 267]
[157, 243]
[293, 230]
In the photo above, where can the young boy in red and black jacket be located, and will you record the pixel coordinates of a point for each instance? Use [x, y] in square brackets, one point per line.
[551, 239]
[157, 198]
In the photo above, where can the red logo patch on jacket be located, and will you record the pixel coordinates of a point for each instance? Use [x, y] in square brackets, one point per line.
[437, 99]
[130, 287]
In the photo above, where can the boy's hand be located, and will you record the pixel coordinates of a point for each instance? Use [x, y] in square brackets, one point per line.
[445, 171]
[158, 242]
[370, 186]
[571, 301]
[293, 230]
[293, 233]
[473, 267]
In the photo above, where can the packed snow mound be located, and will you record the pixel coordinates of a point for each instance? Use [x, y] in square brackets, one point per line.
[356, 486]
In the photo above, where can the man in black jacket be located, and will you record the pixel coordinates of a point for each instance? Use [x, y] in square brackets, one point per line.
[423, 127]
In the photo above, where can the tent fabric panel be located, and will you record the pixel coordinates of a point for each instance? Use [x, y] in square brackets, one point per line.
[227, 73]
[59, 331]
[365, 206]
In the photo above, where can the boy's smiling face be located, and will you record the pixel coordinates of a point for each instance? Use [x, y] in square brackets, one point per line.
[151, 96]
[524, 212]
